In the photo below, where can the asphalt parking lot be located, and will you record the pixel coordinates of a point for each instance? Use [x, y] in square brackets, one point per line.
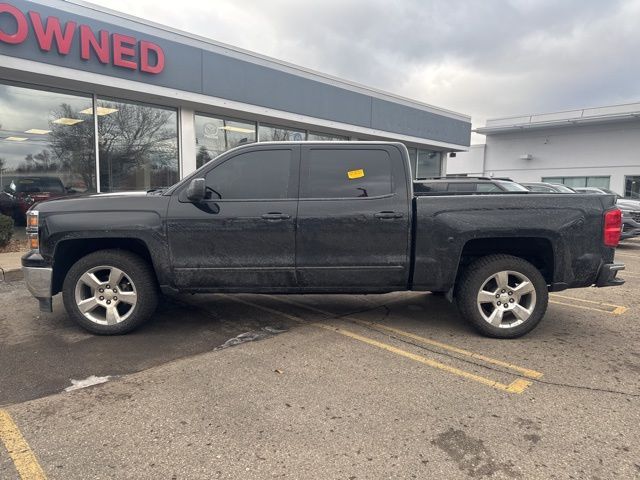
[380, 386]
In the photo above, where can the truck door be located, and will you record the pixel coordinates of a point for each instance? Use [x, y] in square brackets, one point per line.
[242, 236]
[353, 218]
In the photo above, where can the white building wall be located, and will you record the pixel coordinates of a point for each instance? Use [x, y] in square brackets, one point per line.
[595, 150]
[469, 163]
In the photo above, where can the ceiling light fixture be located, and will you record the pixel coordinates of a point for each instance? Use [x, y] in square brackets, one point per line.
[102, 111]
[67, 121]
[16, 139]
[237, 129]
[38, 131]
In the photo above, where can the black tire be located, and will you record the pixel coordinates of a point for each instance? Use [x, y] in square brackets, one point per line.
[473, 280]
[136, 269]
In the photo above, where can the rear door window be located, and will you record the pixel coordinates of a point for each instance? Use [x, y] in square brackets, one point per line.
[346, 173]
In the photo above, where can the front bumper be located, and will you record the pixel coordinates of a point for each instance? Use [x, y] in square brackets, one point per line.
[607, 275]
[630, 228]
[38, 280]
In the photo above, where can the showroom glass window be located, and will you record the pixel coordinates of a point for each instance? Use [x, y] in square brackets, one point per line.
[138, 146]
[274, 133]
[326, 137]
[579, 182]
[632, 187]
[216, 135]
[429, 164]
[46, 142]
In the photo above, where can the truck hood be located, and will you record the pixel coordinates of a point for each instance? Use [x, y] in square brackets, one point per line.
[105, 202]
[628, 204]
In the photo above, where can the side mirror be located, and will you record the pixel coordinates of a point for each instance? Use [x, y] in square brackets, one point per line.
[196, 190]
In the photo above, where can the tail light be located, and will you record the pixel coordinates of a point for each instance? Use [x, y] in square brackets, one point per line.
[33, 223]
[612, 227]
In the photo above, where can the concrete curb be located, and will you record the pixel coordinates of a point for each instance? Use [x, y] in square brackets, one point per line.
[11, 275]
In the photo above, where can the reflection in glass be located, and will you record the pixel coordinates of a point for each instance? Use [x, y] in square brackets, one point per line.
[138, 146]
[429, 164]
[217, 135]
[273, 133]
[46, 147]
[45, 134]
[326, 137]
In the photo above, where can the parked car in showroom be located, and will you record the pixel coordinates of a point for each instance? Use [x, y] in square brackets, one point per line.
[23, 192]
[630, 211]
[545, 187]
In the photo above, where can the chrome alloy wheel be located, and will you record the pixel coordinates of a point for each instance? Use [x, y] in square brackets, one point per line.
[506, 299]
[105, 295]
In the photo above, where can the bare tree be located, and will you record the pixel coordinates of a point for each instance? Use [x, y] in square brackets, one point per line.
[73, 145]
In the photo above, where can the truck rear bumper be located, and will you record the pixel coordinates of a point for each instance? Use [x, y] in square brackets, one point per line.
[38, 280]
[607, 275]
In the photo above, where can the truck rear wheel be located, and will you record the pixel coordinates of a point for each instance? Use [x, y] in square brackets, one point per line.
[502, 296]
[110, 292]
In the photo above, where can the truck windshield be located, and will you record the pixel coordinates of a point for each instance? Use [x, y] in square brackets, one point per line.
[37, 184]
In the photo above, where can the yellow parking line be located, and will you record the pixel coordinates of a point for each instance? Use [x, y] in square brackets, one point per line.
[617, 309]
[524, 371]
[582, 300]
[517, 386]
[23, 458]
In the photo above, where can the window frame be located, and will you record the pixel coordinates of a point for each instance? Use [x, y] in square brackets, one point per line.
[293, 189]
[561, 180]
[78, 93]
[124, 100]
[304, 171]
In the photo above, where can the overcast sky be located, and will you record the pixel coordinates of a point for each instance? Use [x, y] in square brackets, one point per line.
[485, 58]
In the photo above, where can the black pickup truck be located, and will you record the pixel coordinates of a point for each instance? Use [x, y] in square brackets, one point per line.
[314, 217]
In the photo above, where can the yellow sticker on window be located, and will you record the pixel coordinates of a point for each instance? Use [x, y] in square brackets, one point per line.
[353, 174]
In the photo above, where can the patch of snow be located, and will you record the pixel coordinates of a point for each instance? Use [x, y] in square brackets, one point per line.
[87, 382]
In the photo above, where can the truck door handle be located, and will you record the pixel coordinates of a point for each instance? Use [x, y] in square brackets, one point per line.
[388, 215]
[276, 216]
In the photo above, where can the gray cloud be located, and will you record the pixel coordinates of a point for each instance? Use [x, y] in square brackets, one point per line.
[484, 58]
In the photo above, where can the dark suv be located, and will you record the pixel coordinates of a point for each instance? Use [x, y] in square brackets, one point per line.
[465, 186]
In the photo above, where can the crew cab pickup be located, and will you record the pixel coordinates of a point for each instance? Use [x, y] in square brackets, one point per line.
[317, 217]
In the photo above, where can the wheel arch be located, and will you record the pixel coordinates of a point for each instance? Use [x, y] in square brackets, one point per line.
[538, 251]
[69, 251]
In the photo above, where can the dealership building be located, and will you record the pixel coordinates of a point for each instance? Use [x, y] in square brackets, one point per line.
[107, 102]
[592, 147]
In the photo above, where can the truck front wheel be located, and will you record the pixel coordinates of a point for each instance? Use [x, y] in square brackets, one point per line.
[110, 292]
[502, 296]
